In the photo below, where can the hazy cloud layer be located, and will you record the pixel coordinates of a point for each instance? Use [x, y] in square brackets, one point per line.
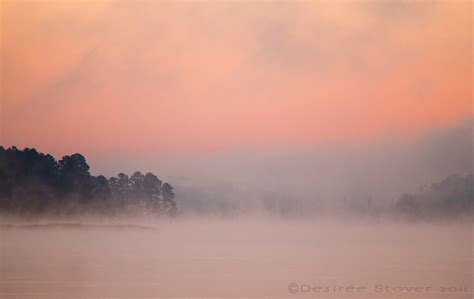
[167, 77]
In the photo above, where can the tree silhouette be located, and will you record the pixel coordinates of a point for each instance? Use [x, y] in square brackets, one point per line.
[167, 202]
[75, 177]
[32, 182]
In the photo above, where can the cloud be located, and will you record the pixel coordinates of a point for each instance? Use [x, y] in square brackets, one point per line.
[209, 76]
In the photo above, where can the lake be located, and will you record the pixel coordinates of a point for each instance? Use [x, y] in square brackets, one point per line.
[238, 258]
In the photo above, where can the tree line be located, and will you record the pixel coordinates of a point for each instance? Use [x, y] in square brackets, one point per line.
[32, 182]
[450, 197]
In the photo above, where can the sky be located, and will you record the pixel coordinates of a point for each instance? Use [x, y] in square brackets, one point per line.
[124, 80]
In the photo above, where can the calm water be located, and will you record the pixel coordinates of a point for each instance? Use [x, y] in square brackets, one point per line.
[237, 258]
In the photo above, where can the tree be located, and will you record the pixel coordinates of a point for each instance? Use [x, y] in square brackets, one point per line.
[75, 177]
[168, 204]
[151, 184]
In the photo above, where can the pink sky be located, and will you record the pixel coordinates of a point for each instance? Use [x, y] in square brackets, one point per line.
[159, 77]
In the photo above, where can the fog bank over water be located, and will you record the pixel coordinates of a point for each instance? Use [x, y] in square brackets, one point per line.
[333, 174]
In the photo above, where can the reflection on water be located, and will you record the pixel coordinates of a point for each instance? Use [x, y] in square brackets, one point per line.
[236, 258]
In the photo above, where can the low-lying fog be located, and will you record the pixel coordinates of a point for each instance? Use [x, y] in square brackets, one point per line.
[331, 176]
[367, 249]
[241, 257]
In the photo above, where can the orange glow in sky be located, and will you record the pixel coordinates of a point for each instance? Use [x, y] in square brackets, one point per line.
[198, 76]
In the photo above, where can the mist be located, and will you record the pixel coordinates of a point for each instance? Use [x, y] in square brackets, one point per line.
[282, 225]
[236, 149]
[330, 176]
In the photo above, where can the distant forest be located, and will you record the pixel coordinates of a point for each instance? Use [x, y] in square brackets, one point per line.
[450, 198]
[33, 183]
[453, 196]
